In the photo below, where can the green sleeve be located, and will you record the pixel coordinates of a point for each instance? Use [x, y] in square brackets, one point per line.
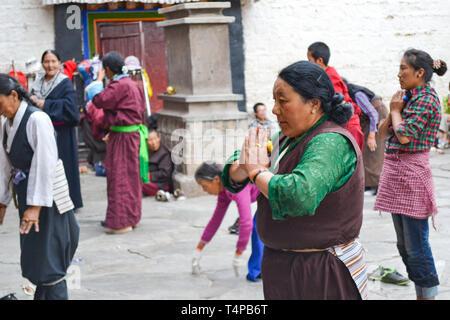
[446, 104]
[327, 163]
[229, 184]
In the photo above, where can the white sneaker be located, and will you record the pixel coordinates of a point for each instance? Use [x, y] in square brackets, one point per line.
[179, 195]
[161, 195]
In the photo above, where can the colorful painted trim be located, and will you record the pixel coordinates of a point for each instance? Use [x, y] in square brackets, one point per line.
[90, 19]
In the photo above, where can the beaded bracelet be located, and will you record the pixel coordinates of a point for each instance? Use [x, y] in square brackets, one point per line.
[253, 178]
[252, 174]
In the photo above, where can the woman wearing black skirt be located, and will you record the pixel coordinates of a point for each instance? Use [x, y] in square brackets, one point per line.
[32, 175]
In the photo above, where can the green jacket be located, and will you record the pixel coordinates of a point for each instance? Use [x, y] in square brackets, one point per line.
[327, 163]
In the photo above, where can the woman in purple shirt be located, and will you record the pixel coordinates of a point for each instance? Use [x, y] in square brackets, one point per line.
[208, 177]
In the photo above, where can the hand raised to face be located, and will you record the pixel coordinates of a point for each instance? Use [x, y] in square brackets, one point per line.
[254, 153]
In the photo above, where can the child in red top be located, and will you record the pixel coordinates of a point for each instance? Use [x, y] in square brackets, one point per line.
[319, 53]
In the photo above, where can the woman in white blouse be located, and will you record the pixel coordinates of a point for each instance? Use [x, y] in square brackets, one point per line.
[28, 157]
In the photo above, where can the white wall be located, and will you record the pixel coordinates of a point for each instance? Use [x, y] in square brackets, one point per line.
[367, 39]
[26, 30]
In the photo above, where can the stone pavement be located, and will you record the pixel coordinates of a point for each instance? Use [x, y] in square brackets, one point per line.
[154, 261]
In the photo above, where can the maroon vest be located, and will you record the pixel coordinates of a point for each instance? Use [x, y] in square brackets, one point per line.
[338, 218]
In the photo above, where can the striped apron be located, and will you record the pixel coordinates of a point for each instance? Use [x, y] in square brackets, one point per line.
[351, 254]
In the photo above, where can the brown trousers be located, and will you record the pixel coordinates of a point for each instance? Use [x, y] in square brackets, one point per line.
[373, 161]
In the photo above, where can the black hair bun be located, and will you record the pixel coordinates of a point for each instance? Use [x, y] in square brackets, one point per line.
[440, 67]
[341, 111]
[337, 99]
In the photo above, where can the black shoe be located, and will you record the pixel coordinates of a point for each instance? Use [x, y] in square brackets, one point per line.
[102, 223]
[234, 229]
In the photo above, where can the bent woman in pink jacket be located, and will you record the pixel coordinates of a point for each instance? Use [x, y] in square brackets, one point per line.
[208, 176]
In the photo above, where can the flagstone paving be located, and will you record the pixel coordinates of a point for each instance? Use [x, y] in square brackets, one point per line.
[154, 261]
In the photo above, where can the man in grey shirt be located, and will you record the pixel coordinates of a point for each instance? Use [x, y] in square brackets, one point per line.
[261, 120]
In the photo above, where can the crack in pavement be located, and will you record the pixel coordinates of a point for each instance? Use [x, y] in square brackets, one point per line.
[139, 254]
